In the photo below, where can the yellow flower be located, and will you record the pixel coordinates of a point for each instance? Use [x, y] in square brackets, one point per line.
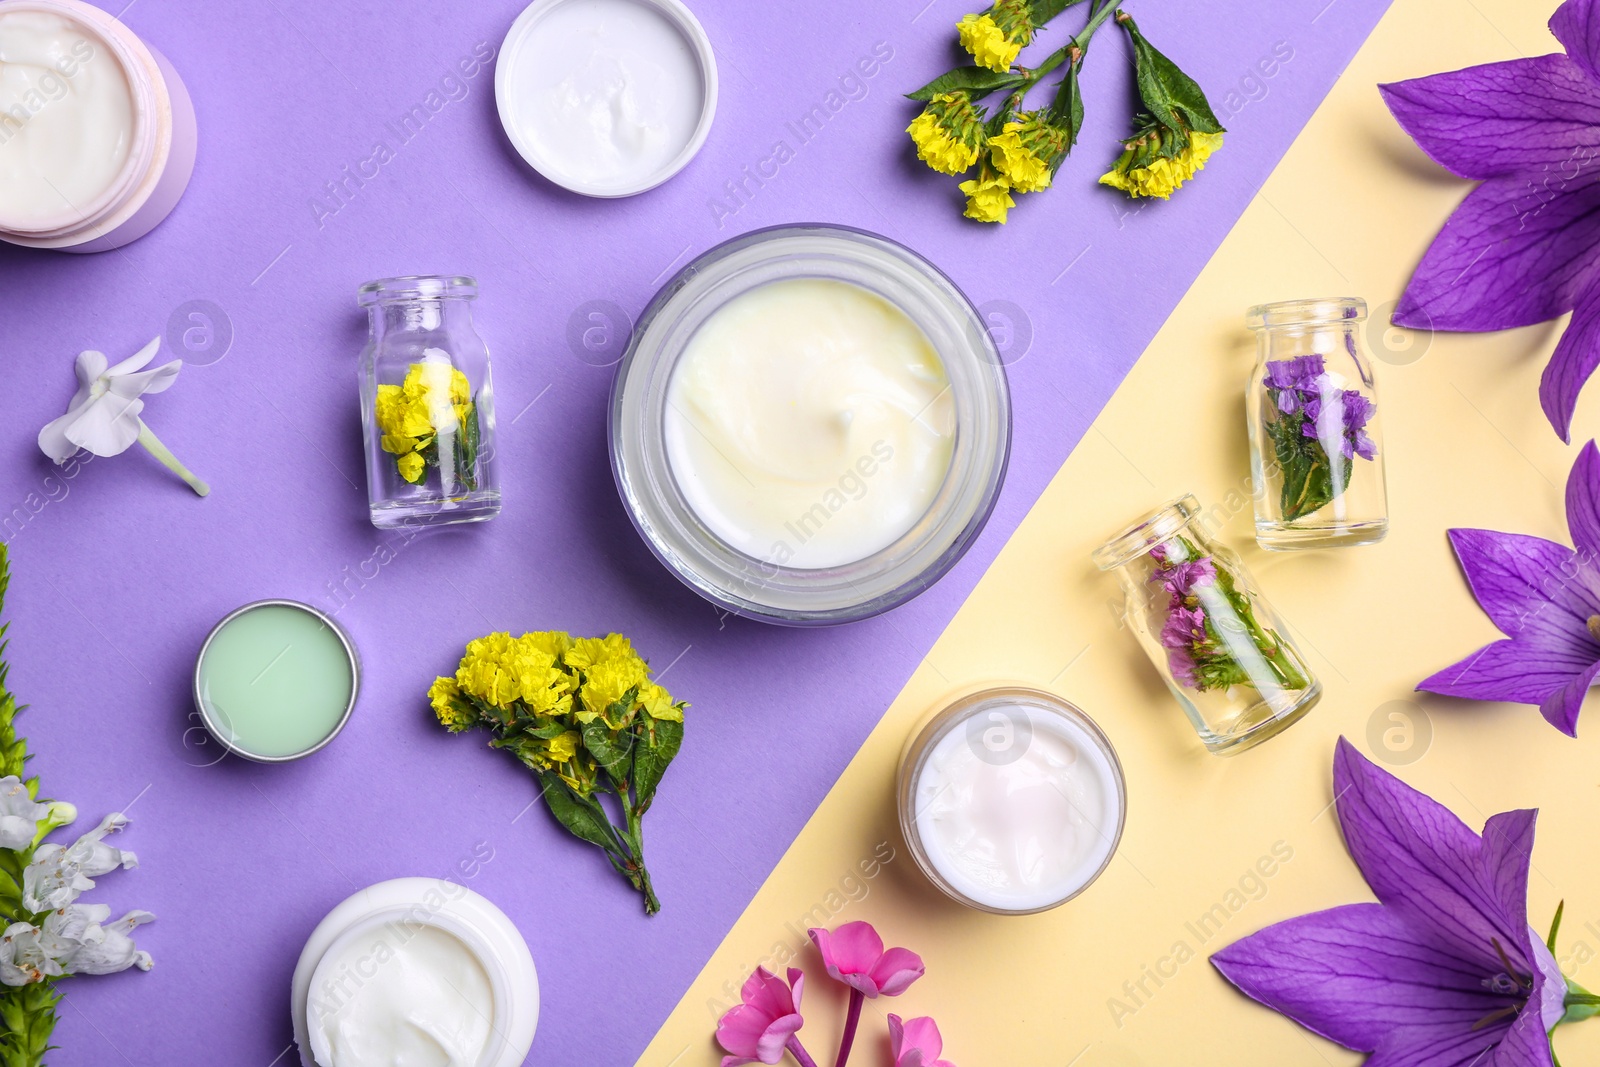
[1027, 151]
[949, 133]
[485, 670]
[445, 696]
[608, 682]
[412, 467]
[657, 703]
[434, 398]
[995, 37]
[588, 651]
[543, 687]
[563, 747]
[1160, 176]
[553, 643]
[988, 197]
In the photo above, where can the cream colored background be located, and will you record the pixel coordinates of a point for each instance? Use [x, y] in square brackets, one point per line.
[1348, 211]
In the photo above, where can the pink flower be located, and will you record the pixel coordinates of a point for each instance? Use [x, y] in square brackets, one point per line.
[916, 1043]
[758, 1030]
[854, 955]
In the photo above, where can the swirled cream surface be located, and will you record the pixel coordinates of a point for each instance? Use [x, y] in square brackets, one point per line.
[66, 119]
[1017, 810]
[403, 995]
[809, 423]
[607, 93]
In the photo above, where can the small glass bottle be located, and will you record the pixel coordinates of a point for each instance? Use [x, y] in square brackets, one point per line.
[1225, 654]
[1312, 405]
[427, 404]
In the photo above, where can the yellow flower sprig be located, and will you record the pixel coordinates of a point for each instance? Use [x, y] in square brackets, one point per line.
[1018, 151]
[584, 716]
[1171, 143]
[434, 401]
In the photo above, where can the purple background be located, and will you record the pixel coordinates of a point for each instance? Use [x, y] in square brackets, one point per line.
[120, 571]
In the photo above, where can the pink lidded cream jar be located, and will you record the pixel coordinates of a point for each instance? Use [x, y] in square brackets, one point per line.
[97, 132]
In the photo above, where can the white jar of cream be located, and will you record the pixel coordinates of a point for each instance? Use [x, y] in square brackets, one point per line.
[97, 133]
[1011, 801]
[415, 970]
[810, 425]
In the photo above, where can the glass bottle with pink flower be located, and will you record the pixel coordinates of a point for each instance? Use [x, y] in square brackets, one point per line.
[1223, 651]
[1315, 449]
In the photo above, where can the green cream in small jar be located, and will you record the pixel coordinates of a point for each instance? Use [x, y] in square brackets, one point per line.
[276, 680]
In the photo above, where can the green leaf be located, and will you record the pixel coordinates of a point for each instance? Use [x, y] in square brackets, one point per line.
[1170, 95]
[613, 751]
[582, 816]
[1042, 11]
[978, 81]
[659, 744]
[467, 451]
[1307, 474]
[1067, 110]
[28, 1014]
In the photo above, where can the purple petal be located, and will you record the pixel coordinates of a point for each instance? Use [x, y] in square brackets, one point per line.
[1527, 1043]
[1514, 671]
[1535, 117]
[1372, 979]
[1583, 503]
[1576, 25]
[1533, 589]
[1418, 856]
[1511, 255]
[1573, 361]
[1561, 707]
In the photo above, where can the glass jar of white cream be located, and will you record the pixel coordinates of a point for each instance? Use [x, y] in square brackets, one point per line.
[415, 970]
[810, 425]
[1011, 800]
[97, 133]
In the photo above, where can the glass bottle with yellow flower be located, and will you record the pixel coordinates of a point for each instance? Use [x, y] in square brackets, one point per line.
[427, 404]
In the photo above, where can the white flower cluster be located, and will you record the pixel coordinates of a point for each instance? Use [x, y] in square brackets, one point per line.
[72, 938]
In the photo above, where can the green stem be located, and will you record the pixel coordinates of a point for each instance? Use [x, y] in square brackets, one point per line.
[1079, 44]
[635, 839]
[153, 445]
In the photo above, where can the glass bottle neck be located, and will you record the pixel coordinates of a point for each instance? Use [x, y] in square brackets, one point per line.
[418, 316]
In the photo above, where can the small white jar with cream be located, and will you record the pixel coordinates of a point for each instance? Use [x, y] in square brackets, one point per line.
[607, 98]
[414, 971]
[810, 425]
[97, 133]
[1011, 801]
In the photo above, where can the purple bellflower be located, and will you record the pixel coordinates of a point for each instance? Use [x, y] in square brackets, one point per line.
[1443, 970]
[1524, 246]
[1545, 598]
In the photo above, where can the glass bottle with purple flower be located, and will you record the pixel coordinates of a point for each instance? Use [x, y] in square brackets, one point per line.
[1315, 450]
[1223, 651]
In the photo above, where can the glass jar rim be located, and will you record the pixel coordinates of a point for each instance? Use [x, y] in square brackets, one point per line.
[766, 589]
[1312, 312]
[1147, 532]
[417, 287]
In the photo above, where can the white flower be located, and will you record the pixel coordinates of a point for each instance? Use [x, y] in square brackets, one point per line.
[104, 415]
[71, 941]
[59, 873]
[19, 813]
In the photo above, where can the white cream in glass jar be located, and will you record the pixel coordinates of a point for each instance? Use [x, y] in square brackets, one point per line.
[1011, 801]
[809, 422]
[810, 425]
